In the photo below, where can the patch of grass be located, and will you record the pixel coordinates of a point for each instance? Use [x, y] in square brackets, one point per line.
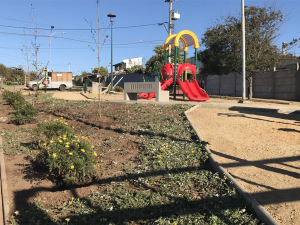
[13, 143]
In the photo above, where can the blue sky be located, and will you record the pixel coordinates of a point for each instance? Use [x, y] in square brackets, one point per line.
[129, 42]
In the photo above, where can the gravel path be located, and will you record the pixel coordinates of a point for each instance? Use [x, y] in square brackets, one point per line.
[261, 150]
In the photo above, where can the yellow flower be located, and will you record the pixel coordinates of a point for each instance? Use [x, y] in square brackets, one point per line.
[82, 150]
[64, 138]
[44, 144]
[82, 137]
[17, 212]
[95, 154]
[45, 120]
[98, 164]
[72, 127]
[70, 153]
[60, 141]
[59, 137]
[54, 155]
[159, 156]
[67, 143]
[61, 117]
[142, 136]
[51, 141]
[193, 151]
[67, 219]
[66, 123]
[175, 223]
[72, 167]
[93, 147]
[206, 156]
[76, 136]
[67, 146]
[159, 161]
[187, 173]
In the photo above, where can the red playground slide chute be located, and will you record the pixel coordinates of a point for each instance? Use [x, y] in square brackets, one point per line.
[192, 90]
[164, 85]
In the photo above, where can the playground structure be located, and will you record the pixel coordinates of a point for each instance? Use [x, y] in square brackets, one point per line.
[189, 89]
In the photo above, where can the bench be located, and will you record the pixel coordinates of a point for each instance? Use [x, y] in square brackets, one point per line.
[133, 89]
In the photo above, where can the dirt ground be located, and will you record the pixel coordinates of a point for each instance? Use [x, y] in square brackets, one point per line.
[261, 151]
[28, 184]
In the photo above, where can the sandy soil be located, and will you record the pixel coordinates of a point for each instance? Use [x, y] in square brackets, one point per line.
[261, 151]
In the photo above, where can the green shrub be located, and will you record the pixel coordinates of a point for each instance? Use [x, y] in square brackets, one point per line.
[203, 90]
[118, 89]
[25, 113]
[69, 157]
[52, 129]
[13, 97]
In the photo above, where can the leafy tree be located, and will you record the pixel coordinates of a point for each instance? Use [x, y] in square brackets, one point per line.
[103, 71]
[5, 72]
[223, 42]
[160, 57]
[136, 69]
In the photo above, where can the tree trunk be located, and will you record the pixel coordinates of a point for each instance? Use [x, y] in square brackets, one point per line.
[250, 78]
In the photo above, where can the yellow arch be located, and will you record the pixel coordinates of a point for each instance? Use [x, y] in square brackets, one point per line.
[166, 45]
[187, 32]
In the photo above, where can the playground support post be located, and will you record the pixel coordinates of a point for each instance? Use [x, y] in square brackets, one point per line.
[185, 72]
[166, 57]
[175, 71]
[196, 64]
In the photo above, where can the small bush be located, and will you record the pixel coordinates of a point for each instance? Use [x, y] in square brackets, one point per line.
[118, 89]
[69, 157]
[13, 97]
[52, 129]
[25, 113]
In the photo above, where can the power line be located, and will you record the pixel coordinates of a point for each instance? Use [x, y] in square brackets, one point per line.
[72, 39]
[31, 28]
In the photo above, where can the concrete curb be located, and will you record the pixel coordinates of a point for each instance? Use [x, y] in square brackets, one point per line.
[261, 213]
[4, 195]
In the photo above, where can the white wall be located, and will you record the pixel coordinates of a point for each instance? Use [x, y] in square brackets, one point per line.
[133, 62]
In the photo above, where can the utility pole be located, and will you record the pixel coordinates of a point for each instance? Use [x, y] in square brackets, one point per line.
[69, 67]
[170, 26]
[244, 53]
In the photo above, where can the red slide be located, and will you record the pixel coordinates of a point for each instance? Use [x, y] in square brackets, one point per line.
[192, 90]
[164, 85]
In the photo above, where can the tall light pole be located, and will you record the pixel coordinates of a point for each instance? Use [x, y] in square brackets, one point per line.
[50, 35]
[111, 75]
[244, 53]
[170, 27]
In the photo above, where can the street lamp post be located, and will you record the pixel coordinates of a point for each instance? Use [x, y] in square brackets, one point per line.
[243, 53]
[111, 76]
[50, 36]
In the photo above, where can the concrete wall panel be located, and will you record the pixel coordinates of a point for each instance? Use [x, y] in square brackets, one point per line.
[285, 81]
[285, 74]
[285, 89]
[285, 96]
